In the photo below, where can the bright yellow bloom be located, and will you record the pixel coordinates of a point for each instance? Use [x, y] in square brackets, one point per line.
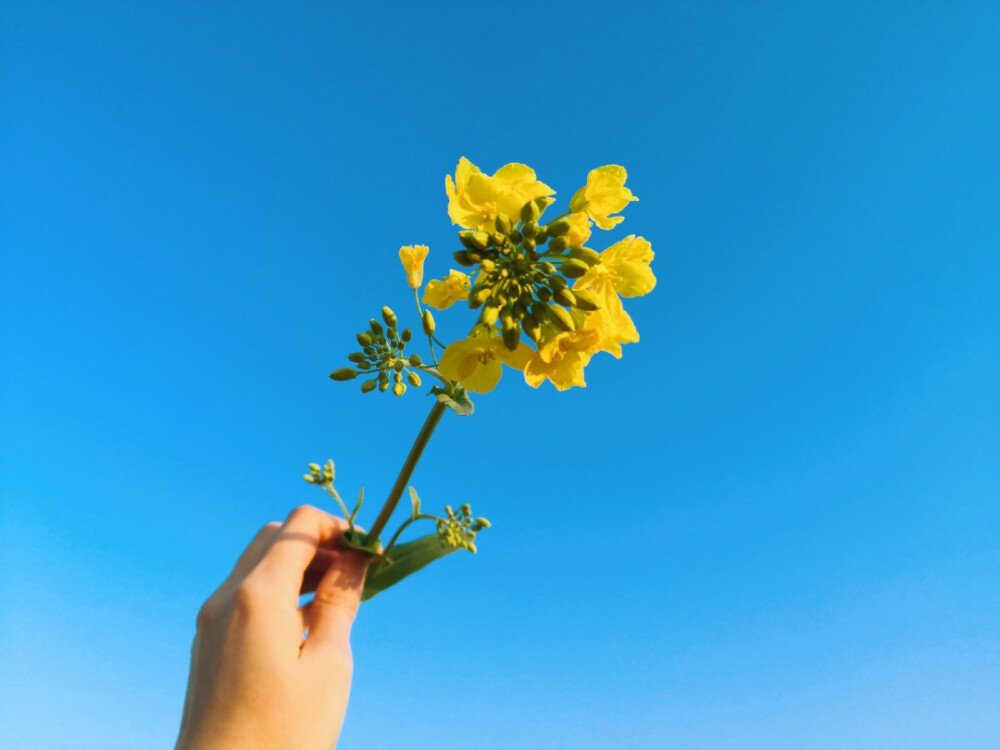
[475, 199]
[412, 257]
[622, 270]
[443, 293]
[561, 359]
[475, 361]
[604, 194]
[579, 231]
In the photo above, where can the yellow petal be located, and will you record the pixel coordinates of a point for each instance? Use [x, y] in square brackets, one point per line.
[412, 257]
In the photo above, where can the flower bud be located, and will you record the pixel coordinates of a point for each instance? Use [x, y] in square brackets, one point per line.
[383, 386]
[405, 335]
[462, 258]
[574, 269]
[539, 312]
[557, 282]
[480, 240]
[558, 244]
[357, 357]
[586, 300]
[376, 327]
[344, 373]
[530, 211]
[529, 229]
[389, 317]
[561, 318]
[515, 237]
[490, 312]
[427, 320]
[586, 255]
[364, 339]
[479, 296]
[547, 267]
[497, 239]
[399, 389]
[487, 265]
[503, 224]
[559, 227]
[511, 338]
[415, 360]
[564, 297]
[369, 385]
[543, 293]
[414, 379]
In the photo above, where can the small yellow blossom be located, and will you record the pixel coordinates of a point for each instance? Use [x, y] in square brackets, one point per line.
[475, 199]
[561, 359]
[623, 270]
[604, 194]
[443, 293]
[412, 257]
[579, 231]
[475, 361]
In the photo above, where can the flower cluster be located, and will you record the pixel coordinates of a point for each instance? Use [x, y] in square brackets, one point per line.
[536, 279]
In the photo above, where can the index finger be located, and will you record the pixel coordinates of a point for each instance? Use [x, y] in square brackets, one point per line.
[306, 531]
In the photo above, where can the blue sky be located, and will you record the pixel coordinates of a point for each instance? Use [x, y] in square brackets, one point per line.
[772, 524]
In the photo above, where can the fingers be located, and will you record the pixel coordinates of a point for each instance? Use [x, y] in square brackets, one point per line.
[252, 554]
[336, 602]
[305, 532]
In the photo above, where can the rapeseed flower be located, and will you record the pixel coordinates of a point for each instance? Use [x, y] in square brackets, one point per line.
[604, 194]
[475, 199]
[443, 293]
[475, 362]
[561, 359]
[412, 257]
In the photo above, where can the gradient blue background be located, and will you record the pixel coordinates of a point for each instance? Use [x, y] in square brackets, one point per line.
[772, 524]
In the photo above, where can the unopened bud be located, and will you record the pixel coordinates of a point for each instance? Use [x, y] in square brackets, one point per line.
[497, 239]
[557, 282]
[543, 293]
[415, 360]
[364, 339]
[511, 338]
[585, 254]
[427, 320]
[376, 327]
[559, 227]
[405, 335]
[389, 317]
[480, 240]
[574, 269]
[383, 385]
[547, 267]
[462, 258]
[414, 379]
[483, 522]
[503, 224]
[491, 311]
[530, 211]
[357, 357]
[561, 318]
[565, 297]
[529, 229]
[487, 265]
[479, 296]
[344, 373]
[558, 244]
[530, 326]
[539, 312]
[586, 300]
[399, 389]
[369, 385]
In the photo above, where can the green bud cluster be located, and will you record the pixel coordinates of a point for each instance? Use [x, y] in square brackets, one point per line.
[322, 476]
[524, 266]
[459, 528]
[382, 357]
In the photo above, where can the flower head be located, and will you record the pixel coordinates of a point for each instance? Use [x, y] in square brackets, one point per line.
[561, 359]
[475, 361]
[443, 293]
[412, 257]
[475, 199]
[623, 267]
[604, 194]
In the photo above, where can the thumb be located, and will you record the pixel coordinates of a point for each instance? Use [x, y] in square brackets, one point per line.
[335, 605]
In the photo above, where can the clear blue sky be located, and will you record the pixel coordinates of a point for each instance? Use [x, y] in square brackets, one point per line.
[773, 524]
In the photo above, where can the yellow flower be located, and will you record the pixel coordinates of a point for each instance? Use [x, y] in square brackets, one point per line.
[561, 359]
[412, 257]
[604, 194]
[579, 231]
[475, 361]
[475, 199]
[622, 270]
[624, 267]
[443, 293]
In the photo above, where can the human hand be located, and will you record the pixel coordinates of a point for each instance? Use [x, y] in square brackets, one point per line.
[254, 682]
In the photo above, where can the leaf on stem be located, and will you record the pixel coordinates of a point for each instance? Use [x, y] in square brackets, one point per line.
[457, 399]
[407, 559]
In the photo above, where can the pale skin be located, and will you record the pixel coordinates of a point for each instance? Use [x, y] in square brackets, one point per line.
[267, 674]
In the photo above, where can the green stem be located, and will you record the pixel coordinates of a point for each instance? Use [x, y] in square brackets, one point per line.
[407, 471]
[407, 522]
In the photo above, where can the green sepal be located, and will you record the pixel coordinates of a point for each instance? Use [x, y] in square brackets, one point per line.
[405, 560]
[415, 499]
[457, 400]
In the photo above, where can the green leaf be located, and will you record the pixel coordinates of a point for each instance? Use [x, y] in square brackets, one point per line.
[356, 540]
[457, 399]
[415, 499]
[407, 559]
[361, 500]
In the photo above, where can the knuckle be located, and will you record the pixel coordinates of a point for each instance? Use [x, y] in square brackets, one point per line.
[208, 614]
[246, 598]
[304, 512]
